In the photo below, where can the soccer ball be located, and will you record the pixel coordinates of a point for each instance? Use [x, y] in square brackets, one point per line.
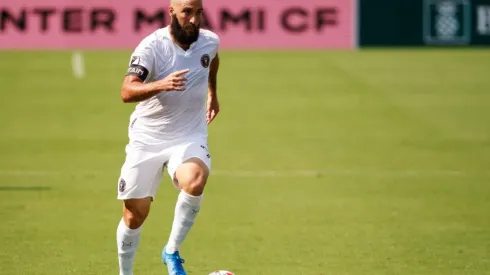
[221, 272]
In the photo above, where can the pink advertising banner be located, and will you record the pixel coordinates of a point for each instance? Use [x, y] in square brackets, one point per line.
[241, 24]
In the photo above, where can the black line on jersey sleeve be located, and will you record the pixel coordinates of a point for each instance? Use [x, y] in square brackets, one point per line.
[139, 71]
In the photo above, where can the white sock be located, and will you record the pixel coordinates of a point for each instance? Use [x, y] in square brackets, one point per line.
[127, 243]
[186, 211]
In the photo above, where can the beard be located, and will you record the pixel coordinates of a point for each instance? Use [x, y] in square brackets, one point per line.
[186, 34]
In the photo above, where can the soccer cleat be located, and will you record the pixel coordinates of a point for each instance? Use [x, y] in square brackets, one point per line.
[174, 262]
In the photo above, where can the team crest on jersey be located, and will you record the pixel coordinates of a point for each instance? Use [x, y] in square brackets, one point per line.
[122, 185]
[205, 59]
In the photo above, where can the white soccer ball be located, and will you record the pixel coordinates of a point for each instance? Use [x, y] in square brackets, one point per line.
[221, 272]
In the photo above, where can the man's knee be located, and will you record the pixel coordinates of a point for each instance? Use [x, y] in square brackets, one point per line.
[192, 176]
[135, 212]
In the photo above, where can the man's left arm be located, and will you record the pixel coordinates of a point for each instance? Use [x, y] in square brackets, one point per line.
[213, 104]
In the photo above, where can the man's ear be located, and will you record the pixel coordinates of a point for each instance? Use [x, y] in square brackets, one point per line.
[171, 10]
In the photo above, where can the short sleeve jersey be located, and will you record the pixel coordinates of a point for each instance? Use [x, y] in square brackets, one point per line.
[174, 114]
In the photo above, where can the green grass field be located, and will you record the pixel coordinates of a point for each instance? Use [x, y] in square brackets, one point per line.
[371, 162]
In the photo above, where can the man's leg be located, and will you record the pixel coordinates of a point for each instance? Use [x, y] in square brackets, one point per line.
[189, 167]
[140, 177]
[135, 212]
[191, 177]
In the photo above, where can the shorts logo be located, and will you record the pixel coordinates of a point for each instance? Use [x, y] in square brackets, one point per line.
[122, 185]
[207, 155]
[205, 59]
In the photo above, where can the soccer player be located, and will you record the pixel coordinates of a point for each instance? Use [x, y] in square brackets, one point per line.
[172, 75]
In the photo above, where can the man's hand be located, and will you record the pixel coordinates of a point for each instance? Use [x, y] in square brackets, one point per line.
[213, 108]
[213, 104]
[173, 82]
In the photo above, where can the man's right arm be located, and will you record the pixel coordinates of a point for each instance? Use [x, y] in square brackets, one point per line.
[134, 90]
[136, 87]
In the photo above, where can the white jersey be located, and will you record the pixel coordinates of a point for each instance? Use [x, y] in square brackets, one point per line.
[175, 114]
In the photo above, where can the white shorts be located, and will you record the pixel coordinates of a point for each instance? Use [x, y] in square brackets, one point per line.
[143, 168]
